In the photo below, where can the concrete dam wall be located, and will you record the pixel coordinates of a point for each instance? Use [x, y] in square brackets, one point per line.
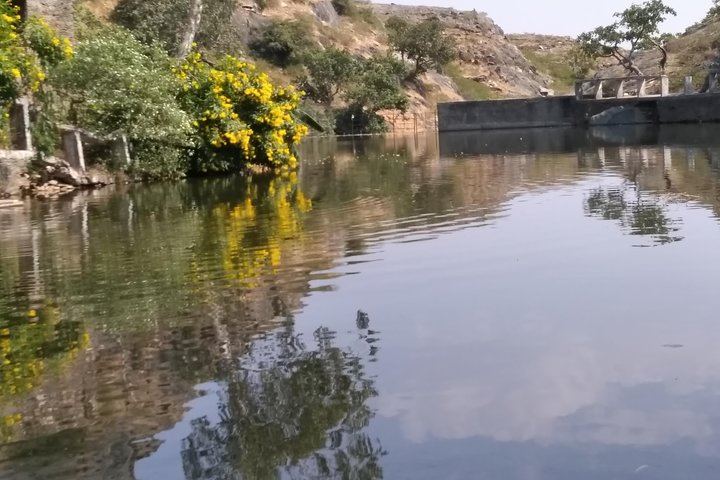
[569, 111]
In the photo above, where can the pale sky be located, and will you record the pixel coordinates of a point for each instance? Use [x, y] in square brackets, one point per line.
[564, 17]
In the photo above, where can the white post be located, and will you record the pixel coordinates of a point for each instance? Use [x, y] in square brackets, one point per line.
[73, 148]
[599, 90]
[664, 86]
[20, 136]
[121, 151]
[620, 89]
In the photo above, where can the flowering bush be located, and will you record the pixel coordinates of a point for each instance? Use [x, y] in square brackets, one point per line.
[25, 52]
[49, 47]
[18, 70]
[240, 118]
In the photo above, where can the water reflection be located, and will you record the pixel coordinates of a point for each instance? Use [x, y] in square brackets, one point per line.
[211, 329]
[289, 408]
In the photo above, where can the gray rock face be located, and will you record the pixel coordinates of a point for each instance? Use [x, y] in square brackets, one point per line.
[13, 164]
[482, 47]
[325, 11]
[623, 115]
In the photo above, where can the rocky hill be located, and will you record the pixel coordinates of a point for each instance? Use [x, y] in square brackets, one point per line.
[490, 65]
[486, 55]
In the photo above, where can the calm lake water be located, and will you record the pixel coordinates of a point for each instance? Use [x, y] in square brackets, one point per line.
[539, 305]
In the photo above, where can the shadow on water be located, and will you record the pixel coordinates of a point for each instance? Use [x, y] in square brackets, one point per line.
[210, 329]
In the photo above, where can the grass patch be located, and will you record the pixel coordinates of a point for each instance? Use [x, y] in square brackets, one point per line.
[469, 88]
[556, 67]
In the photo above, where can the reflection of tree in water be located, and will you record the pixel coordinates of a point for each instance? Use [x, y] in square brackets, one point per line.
[290, 411]
[639, 214]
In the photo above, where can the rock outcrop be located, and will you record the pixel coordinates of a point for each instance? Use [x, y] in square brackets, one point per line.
[485, 52]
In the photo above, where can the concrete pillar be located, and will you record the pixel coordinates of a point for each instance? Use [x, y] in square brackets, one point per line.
[121, 151]
[598, 91]
[664, 86]
[73, 148]
[689, 88]
[20, 136]
[620, 89]
[642, 90]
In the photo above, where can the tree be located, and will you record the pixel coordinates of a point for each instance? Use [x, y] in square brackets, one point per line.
[424, 43]
[637, 27]
[283, 43]
[713, 13]
[330, 71]
[397, 29]
[379, 87]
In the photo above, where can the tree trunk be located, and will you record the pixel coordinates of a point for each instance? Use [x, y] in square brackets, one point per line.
[191, 28]
[663, 60]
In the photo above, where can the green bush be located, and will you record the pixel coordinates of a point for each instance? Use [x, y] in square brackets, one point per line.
[115, 84]
[164, 21]
[353, 120]
[153, 160]
[283, 43]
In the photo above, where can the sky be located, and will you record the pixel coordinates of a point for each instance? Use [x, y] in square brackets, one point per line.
[563, 17]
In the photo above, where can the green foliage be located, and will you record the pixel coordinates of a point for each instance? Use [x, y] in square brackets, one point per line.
[115, 84]
[50, 49]
[353, 120]
[283, 43]
[425, 43]
[579, 62]
[469, 88]
[164, 21]
[714, 13]
[378, 85]
[153, 160]
[329, 72]
[636, 27]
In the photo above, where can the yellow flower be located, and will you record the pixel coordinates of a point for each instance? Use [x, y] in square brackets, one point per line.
[15, 73]
[56, 41]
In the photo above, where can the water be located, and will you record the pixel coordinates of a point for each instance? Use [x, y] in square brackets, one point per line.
[404, 309]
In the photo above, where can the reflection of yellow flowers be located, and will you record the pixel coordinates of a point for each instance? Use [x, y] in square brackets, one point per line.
[277, 212]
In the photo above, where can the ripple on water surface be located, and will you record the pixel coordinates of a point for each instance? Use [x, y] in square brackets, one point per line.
[392, 312]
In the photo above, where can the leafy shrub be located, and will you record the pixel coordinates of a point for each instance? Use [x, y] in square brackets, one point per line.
[115, 84]
[164, 21]
[283, 43]
[378, 85]
[240, 117]
[355, 120]
[329, 72]
[156, 160]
